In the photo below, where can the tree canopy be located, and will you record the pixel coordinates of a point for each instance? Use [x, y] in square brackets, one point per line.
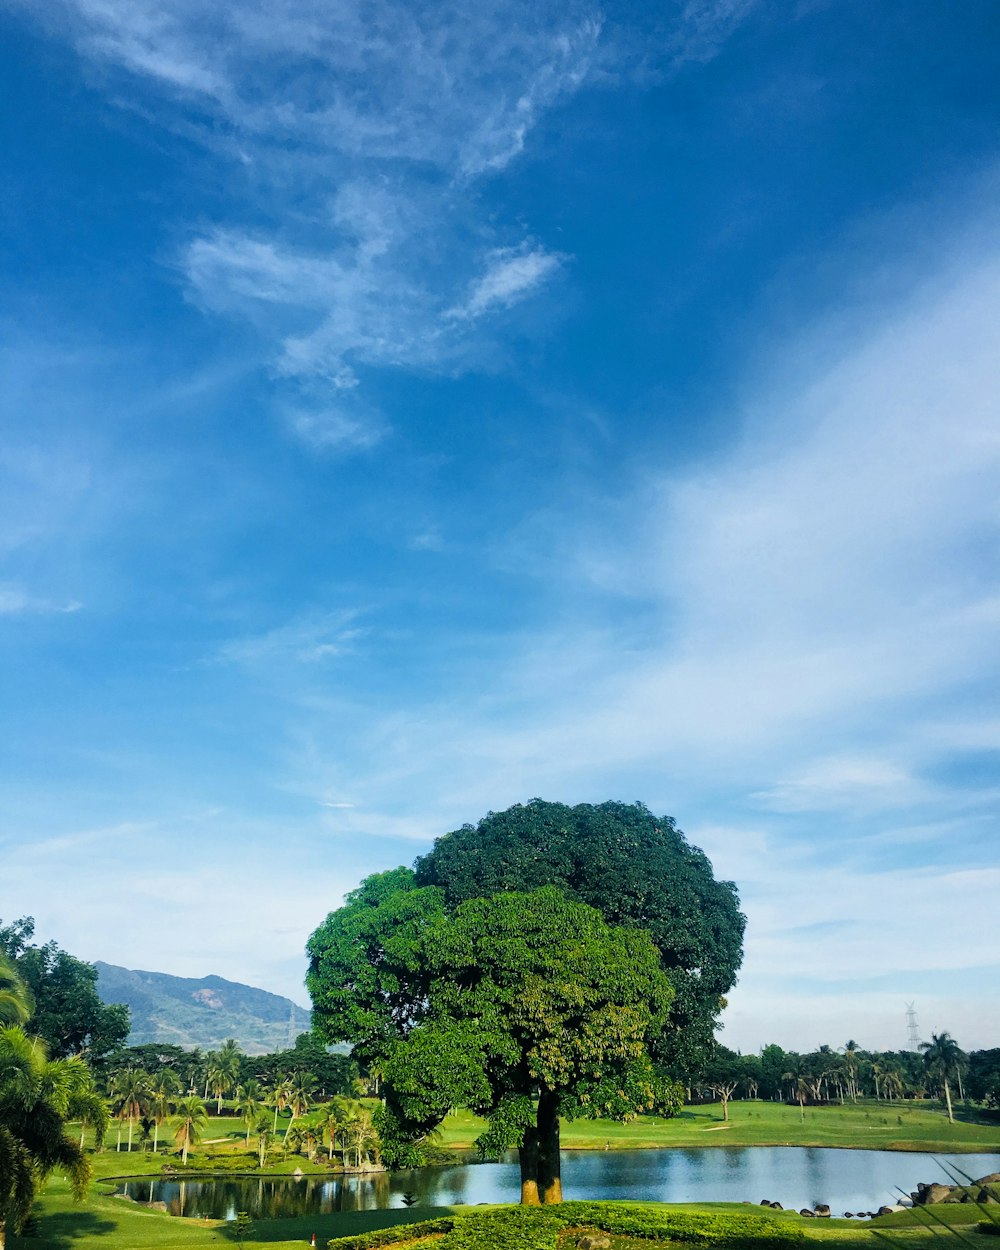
[522, 1006]
[67, 1013]
[637, 869]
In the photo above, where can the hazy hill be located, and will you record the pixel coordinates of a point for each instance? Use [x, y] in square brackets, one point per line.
[201, 1012]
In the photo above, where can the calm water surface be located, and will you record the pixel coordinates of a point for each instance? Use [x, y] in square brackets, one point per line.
[795, 1176]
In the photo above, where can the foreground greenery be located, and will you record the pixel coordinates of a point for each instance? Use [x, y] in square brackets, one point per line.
[104, 1223]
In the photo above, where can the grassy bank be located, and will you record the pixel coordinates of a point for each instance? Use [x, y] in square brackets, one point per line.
[864, 1125]
[104, 1223]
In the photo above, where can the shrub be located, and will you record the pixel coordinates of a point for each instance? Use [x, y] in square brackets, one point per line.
[537, 1228]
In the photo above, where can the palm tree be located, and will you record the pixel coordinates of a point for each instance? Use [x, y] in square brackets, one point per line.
[192, 1118]
[94, 1111]
[217, 1082]
[38, 1096]
[15, 997]
[851, 1068]
[165, 1087]
[328, 1123]
[799, 1083]
[223, 1071]
[301, 1087]
[892, 1083]
[943, 1057]
[250, 1103]
[278, 1098]
[295, 1136]
[262, 1127]
[132, 1090]
[361, 1135]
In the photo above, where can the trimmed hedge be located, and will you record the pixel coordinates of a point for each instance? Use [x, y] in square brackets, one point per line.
[537, 1228]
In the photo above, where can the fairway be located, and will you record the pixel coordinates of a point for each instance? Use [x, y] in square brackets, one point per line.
[865, 1125]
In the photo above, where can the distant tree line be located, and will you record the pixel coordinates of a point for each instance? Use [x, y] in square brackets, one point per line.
[846, 1073]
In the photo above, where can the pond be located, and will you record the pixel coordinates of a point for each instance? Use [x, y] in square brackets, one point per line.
[795, 1176]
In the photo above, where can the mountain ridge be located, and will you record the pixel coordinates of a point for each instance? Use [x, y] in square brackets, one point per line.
[201, 1011]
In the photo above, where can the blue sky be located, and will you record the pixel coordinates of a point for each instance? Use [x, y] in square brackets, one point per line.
[412, 409]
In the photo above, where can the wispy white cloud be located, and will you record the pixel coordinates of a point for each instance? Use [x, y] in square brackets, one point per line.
[864, 782]
[510, 274]
[15, 601]
[704, 26]
[329, 428]
[306, 640]
[352, 135]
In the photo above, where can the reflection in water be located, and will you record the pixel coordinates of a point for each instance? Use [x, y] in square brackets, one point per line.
[852, 1180]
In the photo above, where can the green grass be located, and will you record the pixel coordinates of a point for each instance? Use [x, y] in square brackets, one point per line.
[110, 1222]
[864, 1125]
[104, 1223]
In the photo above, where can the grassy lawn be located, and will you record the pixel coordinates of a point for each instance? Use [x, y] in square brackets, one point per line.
[111, 1222]
[867, 1125]
[103, 1222]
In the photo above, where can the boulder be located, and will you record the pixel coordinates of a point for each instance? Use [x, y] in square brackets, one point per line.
[848, 1215]
[809, 1214]
[926, 1195]
[765, 1202]
[822, 1209]
[884, 1211]
[776, 1206]
[594, 1243]
[992, 1179]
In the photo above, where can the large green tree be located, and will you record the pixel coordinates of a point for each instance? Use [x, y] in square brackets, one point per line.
[522, 1007]
[68, 1012]
[637, 869]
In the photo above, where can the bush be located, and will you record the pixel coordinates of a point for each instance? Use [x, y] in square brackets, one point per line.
[240, 1162]
[387, 1236]
[537, 1228]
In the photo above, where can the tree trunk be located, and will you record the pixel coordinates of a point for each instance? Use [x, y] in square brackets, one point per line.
[947, 1098]
[725, 1108]
[549, 1173]
[528, 1157]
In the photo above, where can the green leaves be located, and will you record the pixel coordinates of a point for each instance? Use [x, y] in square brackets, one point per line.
[37, 1096]
[366, 972]
[636, 868]
[538, 1228]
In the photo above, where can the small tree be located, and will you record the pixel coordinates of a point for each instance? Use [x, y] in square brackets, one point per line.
[262, 1128]
[723, 1075]
[250, 1103]
[943, 1057]
[192, 1118]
